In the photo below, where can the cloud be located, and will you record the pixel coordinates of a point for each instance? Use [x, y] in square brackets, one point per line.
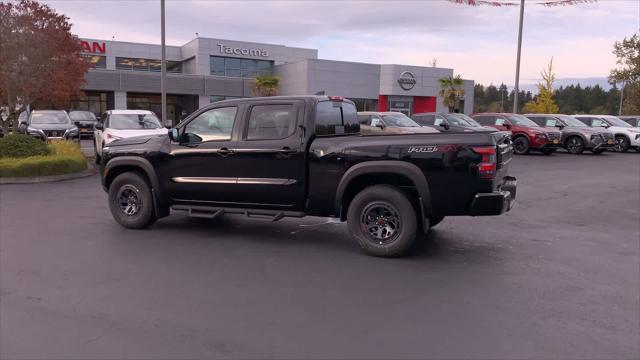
[478, 42]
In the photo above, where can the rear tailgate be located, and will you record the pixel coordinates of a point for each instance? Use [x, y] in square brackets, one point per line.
[504, 153]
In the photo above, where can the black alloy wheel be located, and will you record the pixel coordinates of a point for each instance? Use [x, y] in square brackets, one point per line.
[622, 143]
[575, 145]
[131, 201]
[381, 222]
[521, 145]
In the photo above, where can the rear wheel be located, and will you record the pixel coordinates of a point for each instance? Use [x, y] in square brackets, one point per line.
[521, 145]
[575, 145]
[131, 201]
[382, 221]
[622, 143]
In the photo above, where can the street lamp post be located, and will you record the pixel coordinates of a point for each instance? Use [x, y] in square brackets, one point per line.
[163, 69]
[517, 86]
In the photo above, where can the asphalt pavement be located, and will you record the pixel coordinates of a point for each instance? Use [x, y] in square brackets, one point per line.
[557, 277]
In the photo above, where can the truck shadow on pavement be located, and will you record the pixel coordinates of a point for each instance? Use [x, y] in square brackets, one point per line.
[316, 234]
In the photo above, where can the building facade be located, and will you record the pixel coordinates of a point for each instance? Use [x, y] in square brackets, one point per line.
[127, 76]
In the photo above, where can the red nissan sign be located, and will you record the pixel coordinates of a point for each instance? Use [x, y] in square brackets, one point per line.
[93, 46]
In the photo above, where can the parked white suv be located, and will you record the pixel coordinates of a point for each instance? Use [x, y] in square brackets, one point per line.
[626, 135]
[120, 124]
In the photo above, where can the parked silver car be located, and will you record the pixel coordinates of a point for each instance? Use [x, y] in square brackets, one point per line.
[576, 136]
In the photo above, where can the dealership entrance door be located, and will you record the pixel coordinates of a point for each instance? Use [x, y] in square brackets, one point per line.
[178, 106]
[403, 104]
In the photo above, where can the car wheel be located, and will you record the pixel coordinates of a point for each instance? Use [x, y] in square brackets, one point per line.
[548, 151]
[575, 145]
[521, 145]
[597, 152]
[622, 143]
[131, 201]
[435, 220]
[382, 221]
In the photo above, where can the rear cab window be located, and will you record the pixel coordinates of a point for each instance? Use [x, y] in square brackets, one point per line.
[336, 118]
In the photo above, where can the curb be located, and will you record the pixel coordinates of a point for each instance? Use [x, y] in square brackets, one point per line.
[91, 170]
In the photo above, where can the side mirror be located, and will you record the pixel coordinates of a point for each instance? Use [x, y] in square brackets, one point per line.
[174, 134]
[77, 123]
[381, 126]
[23, 123]
[508, 126]
[445, 126]
[98, 126]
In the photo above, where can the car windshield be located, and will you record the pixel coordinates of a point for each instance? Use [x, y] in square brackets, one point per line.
[82, 116]
[461, 120]
[52, 117]
[521, 120]
[399, 120]
[133, 121]
[614, 121]
[571, 121]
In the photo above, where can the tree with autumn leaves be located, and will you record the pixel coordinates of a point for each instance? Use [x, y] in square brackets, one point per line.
[543, 103]
[41, 65]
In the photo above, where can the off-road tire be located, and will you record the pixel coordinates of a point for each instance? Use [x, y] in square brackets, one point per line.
[136, 185]
[384, 196]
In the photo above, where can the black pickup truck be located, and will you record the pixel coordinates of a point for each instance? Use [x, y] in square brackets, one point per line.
[293, 156]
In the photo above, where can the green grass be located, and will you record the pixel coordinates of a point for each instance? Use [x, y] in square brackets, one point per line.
[66, 158]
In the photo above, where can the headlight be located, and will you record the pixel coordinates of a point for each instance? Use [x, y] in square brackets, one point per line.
[109, 138]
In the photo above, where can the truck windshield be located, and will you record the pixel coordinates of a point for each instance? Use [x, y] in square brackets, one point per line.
[133, 121]
[521, 120]
[399, 120]
[50, 117]
[571, 121]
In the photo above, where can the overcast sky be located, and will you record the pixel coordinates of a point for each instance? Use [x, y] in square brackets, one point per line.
[479, 43]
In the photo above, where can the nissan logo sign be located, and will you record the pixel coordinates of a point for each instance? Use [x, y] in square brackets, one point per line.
[406, 80]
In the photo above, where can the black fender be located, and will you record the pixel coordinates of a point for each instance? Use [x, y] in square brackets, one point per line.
[409, 170]
[160, 201]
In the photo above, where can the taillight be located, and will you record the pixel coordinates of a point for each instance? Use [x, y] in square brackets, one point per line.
[487, 166]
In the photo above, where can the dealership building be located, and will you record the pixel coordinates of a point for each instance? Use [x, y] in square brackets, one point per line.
[127, 76]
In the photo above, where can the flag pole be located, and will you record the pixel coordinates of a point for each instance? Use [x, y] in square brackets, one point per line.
[163, 68]
[517, 85]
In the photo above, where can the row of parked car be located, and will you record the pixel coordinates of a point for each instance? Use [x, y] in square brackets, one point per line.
[545, 133]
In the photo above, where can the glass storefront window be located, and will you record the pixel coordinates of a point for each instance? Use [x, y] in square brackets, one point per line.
[365, 104]
[214, 98]
[96, 102]
[235, 67]
[137, 64]
[97, 61]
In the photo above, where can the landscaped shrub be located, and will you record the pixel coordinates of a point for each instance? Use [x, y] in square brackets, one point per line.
[42, 165]
[20, 146]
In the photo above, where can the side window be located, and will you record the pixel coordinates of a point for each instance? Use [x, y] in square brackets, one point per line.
[438, 120]
[538, 120]
[364, 119]
[215, 124]
[270, 122]
[596, 122]
[336, 118]
[498, 121]
[483, 120]
[550, 122]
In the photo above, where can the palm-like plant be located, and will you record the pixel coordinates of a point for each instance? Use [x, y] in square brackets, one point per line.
[266, 85]
[451, 90]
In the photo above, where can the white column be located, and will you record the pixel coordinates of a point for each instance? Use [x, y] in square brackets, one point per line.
[120, 100]
[203, 100]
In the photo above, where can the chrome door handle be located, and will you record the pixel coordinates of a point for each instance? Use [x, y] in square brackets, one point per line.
[225, 152]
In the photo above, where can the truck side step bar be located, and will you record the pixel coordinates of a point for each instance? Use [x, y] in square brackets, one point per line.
[209, 212]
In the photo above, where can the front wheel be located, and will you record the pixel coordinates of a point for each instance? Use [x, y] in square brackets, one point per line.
[575, 145]
[131, 201]
[622, 143]
[382, 221]
[521, 145]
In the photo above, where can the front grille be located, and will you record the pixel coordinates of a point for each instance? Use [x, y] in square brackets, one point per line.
[54, 133]
[553, 136]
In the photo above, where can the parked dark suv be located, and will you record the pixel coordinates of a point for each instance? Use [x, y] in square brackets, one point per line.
[527, 135]
[576, 136]
[447, 122]
[85, 120]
